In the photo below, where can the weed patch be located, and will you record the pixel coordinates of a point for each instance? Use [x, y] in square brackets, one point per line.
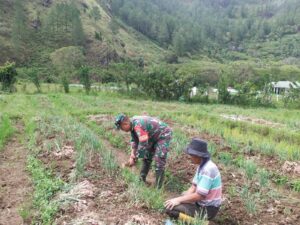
[6, 129]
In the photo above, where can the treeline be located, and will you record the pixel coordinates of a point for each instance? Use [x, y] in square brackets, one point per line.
[164, 82]
[211, 26]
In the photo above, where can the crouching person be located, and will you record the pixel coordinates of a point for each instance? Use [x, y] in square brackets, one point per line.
[203, 198]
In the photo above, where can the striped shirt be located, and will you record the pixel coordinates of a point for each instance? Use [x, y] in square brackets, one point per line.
[208, 183]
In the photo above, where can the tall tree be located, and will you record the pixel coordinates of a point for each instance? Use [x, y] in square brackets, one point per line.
[77, 31]
[8, 74]
[19, 27]
[63, 24]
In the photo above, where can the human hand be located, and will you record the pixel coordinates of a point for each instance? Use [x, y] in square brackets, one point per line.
[132, 161]
[171, 203]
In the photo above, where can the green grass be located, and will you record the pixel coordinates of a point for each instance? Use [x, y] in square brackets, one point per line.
[263, 177]
[250, 200]
[6, 129]
[250, 168]
[225, 158]
[296, 185]
[139, 193]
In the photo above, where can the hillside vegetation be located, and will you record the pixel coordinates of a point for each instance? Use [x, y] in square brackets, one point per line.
[171, 45]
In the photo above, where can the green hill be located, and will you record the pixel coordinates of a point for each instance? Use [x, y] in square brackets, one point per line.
[260, 35]
[25, 38]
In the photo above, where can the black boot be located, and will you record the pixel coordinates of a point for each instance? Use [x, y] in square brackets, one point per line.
[145, 169]
[159, 178]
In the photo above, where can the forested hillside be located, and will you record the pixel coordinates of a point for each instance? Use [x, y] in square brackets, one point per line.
[223, 29]
[172, 43]
[217, 28]
[31, 30]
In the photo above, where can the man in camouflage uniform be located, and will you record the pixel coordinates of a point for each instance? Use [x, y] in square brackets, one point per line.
[150, 138]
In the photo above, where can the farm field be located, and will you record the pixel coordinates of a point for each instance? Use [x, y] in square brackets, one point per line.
[61, 160]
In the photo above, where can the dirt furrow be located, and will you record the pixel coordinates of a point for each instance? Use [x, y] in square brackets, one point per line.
[15, 184]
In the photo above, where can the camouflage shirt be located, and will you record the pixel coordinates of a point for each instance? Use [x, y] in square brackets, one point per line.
[147, 131]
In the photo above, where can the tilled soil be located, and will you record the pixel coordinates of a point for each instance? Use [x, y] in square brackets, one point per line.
[272, 163]
[15, 184]
[233, 211]
[96, 198]
[283, 210]
[104, 200]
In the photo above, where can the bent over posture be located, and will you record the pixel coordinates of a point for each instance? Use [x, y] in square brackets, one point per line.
[150, 138]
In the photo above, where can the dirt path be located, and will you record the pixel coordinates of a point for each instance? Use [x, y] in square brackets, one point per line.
[15, 185]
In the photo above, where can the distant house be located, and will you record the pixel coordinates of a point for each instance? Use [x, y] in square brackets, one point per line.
[283, 86]
[232, 90]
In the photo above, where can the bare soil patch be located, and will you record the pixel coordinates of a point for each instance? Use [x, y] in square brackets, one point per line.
[102, 199]
[15, 184]
[101, 118]
[270, 162]
[96, 198]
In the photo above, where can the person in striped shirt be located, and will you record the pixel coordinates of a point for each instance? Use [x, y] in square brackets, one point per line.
[203, 198]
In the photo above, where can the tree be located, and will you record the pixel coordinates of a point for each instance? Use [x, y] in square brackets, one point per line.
[77, 31]
[8, 76]
[66, 61]
[292, 97]
[63, 24]
[223, 94]
[179, 43]
[98, 36]
[163, 33]
[85, 78]
[161, 82]
[33, 75]
[141, 62]
[19, 28]
[126, 72]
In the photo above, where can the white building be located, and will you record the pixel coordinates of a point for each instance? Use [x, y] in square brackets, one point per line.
[232, 90]
[283, 86]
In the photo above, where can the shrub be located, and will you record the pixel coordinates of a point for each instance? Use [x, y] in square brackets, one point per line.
[8, 75]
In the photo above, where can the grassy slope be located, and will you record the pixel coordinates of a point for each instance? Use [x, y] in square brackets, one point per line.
[136, 45]
[129, 42]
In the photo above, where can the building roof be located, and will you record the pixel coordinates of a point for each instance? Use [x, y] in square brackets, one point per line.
[285, 84]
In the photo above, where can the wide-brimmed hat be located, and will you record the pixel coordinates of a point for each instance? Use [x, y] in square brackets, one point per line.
[119, 119]
[197, 147]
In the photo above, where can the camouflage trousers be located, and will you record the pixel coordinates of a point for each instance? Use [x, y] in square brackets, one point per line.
[159, 150]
